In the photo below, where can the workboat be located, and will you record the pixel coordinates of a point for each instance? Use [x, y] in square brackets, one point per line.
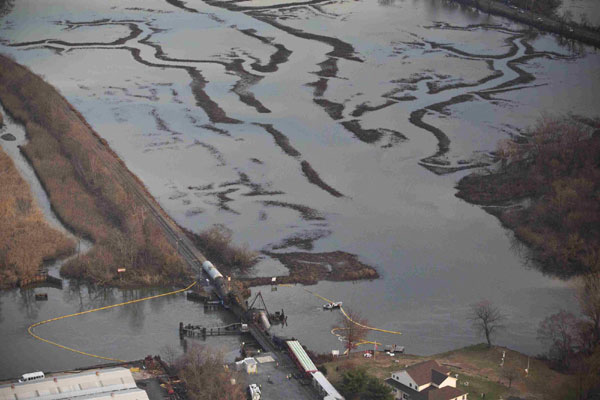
[331, 306]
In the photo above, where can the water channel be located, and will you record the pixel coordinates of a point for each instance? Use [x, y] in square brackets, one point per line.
[189, 95]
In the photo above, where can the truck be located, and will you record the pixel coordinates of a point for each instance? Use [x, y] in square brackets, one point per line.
[253, 392]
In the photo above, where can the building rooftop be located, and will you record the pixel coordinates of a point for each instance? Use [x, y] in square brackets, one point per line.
[332, 393]
[94, 384]
[445, 393]
[428, 371]
[303, 358]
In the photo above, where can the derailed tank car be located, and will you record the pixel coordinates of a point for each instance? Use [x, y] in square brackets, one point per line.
[217, 279]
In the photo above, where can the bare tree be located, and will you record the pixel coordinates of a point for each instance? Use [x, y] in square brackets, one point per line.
[354, 328]
[168, 354]
[588, 294]
[486, 319]
[588, 372]
[510, 374]
[206, 376]
[559, 332]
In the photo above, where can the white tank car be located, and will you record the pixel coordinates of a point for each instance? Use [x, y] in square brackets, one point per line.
[264, 320]
[210, 269]
[217, 279]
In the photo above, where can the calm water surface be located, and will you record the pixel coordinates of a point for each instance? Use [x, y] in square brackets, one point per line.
[179, 94]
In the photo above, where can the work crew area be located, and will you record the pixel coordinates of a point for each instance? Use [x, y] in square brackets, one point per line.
[275, 381]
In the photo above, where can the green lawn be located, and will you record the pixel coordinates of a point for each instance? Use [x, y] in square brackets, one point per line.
[479, 365]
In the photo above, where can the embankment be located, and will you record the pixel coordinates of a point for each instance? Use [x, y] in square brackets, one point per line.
[88, 186]
[26, 239]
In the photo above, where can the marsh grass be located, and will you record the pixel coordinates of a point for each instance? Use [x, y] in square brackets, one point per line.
[26, 239]
[79, 172]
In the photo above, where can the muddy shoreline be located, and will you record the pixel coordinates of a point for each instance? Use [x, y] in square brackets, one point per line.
[310, 268]
[314, 178]
[365, 107]
[280, 139]
[281, 55]
[341, 49]
[334, 110]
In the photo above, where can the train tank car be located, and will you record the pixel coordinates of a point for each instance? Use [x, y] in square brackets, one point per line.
[217, 279]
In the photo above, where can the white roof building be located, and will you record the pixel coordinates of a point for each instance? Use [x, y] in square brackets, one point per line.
[325, 388]
[110, 383]
[248, 364]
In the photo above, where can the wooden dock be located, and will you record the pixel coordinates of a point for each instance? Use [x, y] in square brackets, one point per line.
[202, 331]
[41, 279]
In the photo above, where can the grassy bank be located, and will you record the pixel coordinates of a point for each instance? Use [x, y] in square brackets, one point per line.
[478, 368]
[26, 239]
[551, 180]
[89, 189]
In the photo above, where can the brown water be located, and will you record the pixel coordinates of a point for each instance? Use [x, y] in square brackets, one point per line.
[182, 93]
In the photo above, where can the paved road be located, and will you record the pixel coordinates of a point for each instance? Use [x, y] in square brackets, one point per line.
[285, 366]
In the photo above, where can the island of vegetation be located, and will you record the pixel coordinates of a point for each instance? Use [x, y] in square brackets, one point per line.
[546, 190]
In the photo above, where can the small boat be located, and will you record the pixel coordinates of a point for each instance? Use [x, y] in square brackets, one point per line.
[331, 306]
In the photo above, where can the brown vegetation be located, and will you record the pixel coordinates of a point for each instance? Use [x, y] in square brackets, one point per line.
[310, 268]
[556, 168]
[206, 376]
[569, 338]
[552, 180]
[216, 245]
[88, 187]
[26, 239]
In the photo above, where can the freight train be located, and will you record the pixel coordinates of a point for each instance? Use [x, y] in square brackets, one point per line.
[229, 299]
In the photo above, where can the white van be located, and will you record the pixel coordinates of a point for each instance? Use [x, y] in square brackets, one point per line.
[33, 376]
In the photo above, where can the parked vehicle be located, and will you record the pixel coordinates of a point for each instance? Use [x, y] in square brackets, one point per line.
[254, 391]
[33, 376]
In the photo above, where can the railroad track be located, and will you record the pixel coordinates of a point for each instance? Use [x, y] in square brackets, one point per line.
[175, 235]
[189, 252]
